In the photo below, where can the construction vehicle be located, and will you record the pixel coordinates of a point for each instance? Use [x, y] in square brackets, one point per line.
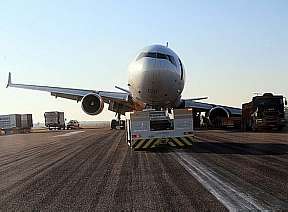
[151, 128]
[264, 112]
[54, 120]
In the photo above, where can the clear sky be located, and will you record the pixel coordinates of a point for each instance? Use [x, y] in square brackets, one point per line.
[230, 49]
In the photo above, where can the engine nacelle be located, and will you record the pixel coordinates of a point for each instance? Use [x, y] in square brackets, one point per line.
[92, 104]
[216, 116]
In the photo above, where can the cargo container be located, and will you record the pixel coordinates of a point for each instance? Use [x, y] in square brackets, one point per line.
[26, 121]
[54, 120]
[11, 121]
[16, 123]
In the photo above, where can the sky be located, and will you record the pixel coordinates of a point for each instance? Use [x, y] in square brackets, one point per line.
[230, 49]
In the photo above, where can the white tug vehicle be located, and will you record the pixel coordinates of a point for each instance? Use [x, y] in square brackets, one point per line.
[151, 128]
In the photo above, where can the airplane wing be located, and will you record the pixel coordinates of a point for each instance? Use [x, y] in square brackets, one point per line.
[75, 94]
[207, 107]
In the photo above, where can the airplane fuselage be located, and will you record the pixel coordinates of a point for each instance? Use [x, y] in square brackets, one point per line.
[157, 77]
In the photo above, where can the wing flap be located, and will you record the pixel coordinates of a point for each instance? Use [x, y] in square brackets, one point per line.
[115, 96]
[67, 96]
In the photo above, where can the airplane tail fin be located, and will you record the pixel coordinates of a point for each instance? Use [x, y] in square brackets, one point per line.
[9, 80]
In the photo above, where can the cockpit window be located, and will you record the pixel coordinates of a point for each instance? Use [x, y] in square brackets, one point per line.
[157, 55]
[162, 56]
[147, 54]
[172, 60]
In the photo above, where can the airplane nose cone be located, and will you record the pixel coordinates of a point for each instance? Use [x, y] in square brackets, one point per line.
[154, 80]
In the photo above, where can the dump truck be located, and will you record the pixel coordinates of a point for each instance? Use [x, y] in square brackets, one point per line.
[264, 113]
[151, 128]
[16, 123]
[54, 120]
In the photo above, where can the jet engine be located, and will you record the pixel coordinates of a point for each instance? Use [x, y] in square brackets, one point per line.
[92, 104]
[217, 115]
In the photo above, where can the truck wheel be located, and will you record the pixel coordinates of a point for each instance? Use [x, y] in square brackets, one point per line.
[280, 128]
[113, 124]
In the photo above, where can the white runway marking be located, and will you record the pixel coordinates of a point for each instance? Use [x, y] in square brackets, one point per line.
[225, 192]
[69, 134]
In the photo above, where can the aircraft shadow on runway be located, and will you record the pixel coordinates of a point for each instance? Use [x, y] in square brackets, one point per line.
[239, 148]
[230, 148]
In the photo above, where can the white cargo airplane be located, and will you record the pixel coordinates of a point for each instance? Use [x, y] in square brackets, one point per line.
[156, 80]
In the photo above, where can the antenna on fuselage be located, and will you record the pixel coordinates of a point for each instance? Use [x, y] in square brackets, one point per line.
[167, 44]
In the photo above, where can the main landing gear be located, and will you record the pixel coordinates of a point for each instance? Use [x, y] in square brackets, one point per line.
[118, 124]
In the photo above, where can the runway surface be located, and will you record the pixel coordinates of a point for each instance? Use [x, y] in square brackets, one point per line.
[95, 170]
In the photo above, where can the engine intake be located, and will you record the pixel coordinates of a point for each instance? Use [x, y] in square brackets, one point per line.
[92, 104]
[217, 115]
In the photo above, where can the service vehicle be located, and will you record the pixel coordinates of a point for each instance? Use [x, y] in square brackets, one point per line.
[264, 113]
[73, 124]
[152, 128]
[54, 120]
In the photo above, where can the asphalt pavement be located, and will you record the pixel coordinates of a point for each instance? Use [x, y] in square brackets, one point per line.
[95, 170]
